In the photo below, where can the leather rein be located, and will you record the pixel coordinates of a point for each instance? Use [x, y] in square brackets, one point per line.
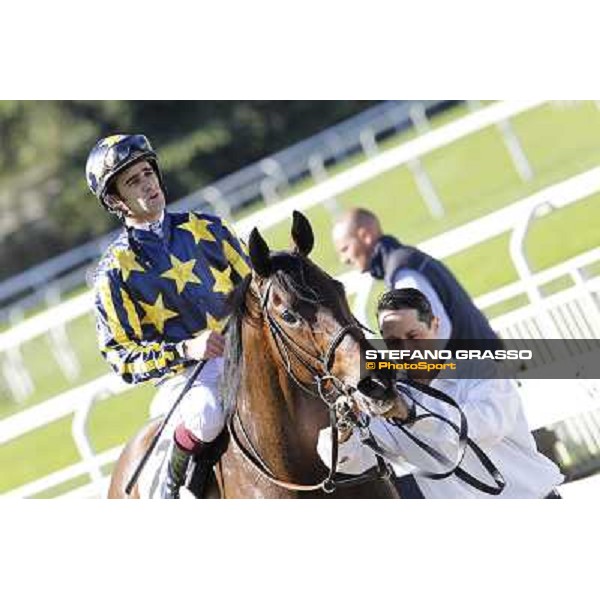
[286, 347]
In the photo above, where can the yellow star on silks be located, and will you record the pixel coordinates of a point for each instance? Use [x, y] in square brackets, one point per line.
[127, 263]
[235, 260]
[215, 324]
[157, 314]
[198, 228]
[181, 272]
[222, 280]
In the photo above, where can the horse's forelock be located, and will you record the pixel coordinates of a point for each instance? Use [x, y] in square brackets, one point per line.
[305, 282]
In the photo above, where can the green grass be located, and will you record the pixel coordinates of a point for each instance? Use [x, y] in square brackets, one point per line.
[51, 448]
[474, 176]
[488, 266]
[49, 380]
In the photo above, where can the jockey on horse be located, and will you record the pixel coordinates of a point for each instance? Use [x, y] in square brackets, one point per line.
[161, 290]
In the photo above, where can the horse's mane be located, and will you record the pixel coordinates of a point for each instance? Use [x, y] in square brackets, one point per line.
[234, 350]
[306, 283]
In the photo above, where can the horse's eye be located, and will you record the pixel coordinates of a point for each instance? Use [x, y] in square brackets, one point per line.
[289, 317]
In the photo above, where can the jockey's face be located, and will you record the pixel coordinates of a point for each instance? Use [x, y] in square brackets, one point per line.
[354, 246]
[404, 328]
[139, 194]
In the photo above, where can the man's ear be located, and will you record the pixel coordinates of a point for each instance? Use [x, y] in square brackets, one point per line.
[435, 325]
[116, 204]
[366, 235]
[361, 234]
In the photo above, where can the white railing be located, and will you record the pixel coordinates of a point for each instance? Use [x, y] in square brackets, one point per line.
[543, 404]
[559, 195]
[390, 159]
[52, 322]
[97, 487]
[543, 400]
[461, 238]
[268, 176]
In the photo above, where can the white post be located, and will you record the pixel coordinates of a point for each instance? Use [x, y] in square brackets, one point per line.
[276, 182]
[368, 142]
[217, 201]
[268, 190]
[517, 253]
[426, 188]
[16, 376]
[82, 441]
[591, 308]
[515, 149]
[319, 174]
[316, 167]
[63, 350]
[512, 143]
[419, 119]
[14, 370]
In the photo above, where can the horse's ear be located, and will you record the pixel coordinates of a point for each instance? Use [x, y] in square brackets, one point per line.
[302, 234]
[259, 254]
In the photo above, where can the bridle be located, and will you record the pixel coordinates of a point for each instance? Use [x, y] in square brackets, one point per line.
[286, 346]
[319, 367]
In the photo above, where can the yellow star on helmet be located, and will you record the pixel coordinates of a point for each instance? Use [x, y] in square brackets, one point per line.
[181, 273]
[127, 263]
[198, 228]
[215, 324]
[222, 280]
[112, 139]
[157, 314]
[235, 260]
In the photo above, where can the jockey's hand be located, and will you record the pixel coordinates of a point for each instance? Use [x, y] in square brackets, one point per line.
[209, 344]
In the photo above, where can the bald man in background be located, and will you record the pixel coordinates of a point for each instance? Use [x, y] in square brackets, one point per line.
[361, 243]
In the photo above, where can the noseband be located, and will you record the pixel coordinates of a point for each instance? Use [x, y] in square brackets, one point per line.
[319, 368]
[321, 374]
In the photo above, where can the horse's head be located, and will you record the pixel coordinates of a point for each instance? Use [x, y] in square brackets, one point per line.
[308, 325]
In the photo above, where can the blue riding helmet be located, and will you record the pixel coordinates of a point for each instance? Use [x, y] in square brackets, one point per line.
[113, 154]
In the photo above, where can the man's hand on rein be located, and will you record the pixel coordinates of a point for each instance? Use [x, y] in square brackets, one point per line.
[347, 413]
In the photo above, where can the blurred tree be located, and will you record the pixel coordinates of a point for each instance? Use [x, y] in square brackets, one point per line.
[45, 205]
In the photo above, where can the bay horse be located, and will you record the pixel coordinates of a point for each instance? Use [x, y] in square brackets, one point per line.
[292, 348]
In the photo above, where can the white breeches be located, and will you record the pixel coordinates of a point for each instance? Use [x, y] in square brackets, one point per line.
[201, 410]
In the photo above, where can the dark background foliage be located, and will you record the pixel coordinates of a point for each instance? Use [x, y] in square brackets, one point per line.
[45, 206]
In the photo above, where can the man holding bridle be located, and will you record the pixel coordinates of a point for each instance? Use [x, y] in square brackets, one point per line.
[492, 408]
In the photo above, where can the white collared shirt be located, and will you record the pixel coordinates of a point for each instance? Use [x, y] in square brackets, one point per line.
[496, 422]
[154, 226]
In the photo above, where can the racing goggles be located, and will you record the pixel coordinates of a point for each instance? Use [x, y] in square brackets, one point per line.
[125, 149]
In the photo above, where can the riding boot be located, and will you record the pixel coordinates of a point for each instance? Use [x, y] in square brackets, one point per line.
[176, 472]
[185, 445]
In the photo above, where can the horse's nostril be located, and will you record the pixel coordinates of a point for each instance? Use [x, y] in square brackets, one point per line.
[372, 388]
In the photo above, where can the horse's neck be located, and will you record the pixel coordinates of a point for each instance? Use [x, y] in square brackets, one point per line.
[281, 420]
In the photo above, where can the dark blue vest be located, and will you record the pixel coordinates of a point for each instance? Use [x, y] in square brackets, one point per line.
[468, 322]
